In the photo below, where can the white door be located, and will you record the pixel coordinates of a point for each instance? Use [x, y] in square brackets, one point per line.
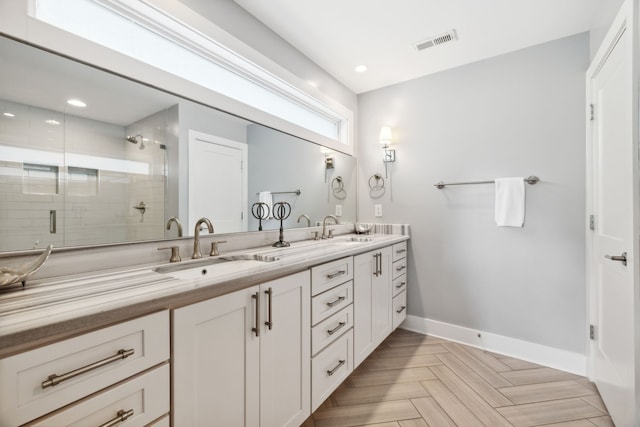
[612, 189]
[215, 362]
[217, 182]
[285, 359]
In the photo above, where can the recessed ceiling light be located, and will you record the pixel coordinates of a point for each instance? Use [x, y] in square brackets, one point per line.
[8, 114]
[312, 83]
[76, 103]
[361, 68]
[52, 122]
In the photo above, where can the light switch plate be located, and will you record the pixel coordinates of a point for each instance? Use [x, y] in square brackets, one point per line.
[377, 211]
[338, 210]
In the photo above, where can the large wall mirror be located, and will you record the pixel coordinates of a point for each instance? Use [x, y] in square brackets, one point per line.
[118, 165]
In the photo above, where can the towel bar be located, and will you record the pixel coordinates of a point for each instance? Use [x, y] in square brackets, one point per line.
[440, 185]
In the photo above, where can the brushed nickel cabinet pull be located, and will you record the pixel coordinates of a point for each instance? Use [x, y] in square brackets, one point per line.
[55, 379]
[402, 267]
[399, 251]
[256, 297]
[401, 285]
[269, 322]
[334, 275]
[121, 417]
[337, 328]
[377, 267]
[401, 309]
[380, 263]
[337, 301]
[52, 221]
[333, 371]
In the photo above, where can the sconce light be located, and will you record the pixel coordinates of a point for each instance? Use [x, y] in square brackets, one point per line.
[329, 162]
[389, 154]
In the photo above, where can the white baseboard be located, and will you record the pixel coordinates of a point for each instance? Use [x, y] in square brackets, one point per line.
[556, 358]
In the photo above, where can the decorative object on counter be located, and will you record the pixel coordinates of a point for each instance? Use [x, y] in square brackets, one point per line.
[265, 198]
[385, 141]
[260, 211]
[362, 228]
[9, 275]
[440, 184]
[142, 208]
[196, 238]
[176, 220]
[281, 211]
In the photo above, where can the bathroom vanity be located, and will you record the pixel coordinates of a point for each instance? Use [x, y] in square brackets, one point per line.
[235, 342]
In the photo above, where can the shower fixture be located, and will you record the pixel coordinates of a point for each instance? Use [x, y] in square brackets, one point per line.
[135, 139]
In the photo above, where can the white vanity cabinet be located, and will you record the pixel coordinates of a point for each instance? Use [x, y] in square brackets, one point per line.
[372, 304]
[55, 380]
[242, 359]
[332, 327]
[399, 284]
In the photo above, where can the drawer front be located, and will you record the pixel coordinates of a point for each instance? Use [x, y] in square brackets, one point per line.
[399, 251]
[399, 309]
[399, 268]
[100, 358]
[329, 330]
[399, 284]
[330, 302]
[330, 368]
[326, 276]
[138, 401]
[163, 422]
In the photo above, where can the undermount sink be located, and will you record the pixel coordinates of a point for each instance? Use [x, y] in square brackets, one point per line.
[207, 267]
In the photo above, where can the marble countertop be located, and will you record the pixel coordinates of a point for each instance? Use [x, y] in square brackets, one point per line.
[49, 310]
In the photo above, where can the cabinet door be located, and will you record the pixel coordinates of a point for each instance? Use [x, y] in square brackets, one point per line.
[372, 301]
[285, 367]
[215, 362]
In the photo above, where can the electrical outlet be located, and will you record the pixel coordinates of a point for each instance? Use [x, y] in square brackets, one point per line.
[338, 210]
[377, 211]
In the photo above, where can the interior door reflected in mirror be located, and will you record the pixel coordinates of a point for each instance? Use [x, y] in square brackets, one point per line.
[88, 157]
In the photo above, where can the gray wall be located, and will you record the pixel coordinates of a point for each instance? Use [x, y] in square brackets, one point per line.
[513, 115]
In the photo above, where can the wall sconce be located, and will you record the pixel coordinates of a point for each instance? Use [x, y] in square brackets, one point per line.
[385, 141]
[329, 162]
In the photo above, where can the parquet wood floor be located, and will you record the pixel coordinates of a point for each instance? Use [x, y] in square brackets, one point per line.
[414, 380]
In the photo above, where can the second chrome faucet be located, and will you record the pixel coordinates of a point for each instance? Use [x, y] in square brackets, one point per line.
[196, 238]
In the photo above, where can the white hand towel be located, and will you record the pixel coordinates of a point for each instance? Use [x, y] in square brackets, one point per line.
[265, 197]
[510, 202]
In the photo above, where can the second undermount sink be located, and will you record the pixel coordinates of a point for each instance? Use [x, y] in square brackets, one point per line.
[214, 266]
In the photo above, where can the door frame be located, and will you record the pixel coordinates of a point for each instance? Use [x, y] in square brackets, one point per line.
[626, 20]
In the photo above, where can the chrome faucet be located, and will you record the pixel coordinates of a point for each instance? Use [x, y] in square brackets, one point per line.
[324, 226]
[176, 220]
[305, 217]
[196, 238]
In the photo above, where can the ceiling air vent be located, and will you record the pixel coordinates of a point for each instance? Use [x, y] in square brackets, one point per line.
[447, 37]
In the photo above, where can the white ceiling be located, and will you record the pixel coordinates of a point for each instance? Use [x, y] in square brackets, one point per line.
[341, 34]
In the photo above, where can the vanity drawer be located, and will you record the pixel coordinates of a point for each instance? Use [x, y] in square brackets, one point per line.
[399, 267]
[145, 397]
[326, 276]
[399, 284]
[399, 309]
[399, 251]
[330, 368]
[99, 359]
[332, 301]
[327, 331]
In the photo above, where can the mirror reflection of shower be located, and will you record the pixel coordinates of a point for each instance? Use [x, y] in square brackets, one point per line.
[136, 139]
